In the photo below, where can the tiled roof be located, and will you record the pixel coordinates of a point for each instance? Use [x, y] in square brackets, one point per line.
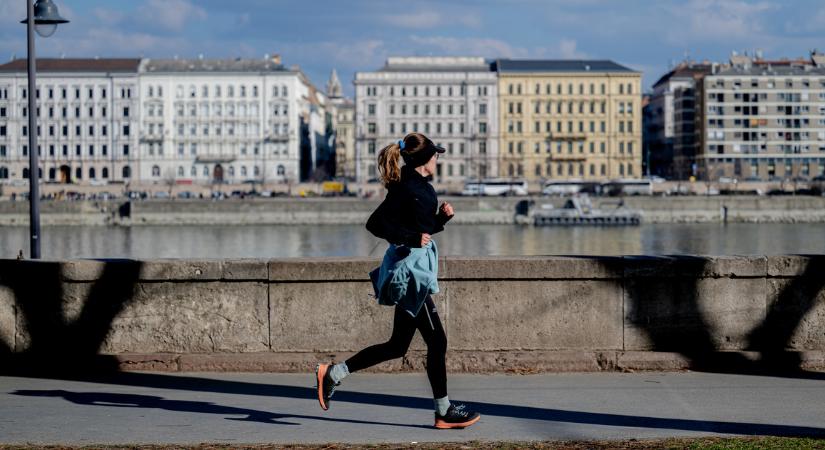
[211, 65]
[559, 65]
[74, 65]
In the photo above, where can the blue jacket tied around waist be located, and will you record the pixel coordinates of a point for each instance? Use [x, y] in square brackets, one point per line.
[406, 276]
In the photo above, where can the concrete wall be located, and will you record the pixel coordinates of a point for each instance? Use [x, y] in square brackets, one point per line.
[471, 210]
[502, 314]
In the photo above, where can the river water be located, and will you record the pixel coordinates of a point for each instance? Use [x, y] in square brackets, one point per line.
[278, 241]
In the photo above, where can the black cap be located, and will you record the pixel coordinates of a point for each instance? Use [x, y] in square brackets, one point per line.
[422, 156]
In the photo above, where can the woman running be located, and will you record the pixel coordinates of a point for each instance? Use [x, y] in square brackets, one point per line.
[407, 218]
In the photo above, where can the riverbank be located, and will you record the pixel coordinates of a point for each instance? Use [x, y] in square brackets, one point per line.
[347, 210]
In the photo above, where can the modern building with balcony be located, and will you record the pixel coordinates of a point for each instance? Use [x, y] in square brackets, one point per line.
[763, 119]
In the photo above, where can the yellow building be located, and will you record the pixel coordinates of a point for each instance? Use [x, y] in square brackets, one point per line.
[569, 120]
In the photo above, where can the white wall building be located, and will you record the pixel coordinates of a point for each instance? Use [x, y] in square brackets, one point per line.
[87, 120]
[452, 100]
[228, 120]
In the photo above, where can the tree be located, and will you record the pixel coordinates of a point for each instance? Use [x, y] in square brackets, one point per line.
[169, 179]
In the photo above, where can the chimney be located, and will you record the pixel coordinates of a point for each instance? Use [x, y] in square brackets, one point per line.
[276, 58]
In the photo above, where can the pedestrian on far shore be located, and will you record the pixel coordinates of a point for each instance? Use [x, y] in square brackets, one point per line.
[407, 219]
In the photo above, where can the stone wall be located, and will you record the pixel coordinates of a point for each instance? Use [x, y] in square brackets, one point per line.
[471, 210]
[520, 314]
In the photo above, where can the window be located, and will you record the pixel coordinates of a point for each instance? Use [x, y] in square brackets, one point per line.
[155, 171]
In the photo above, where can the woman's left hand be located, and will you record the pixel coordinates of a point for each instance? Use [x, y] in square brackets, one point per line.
[447, 209]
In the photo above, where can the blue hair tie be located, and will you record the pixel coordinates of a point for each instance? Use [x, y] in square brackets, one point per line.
[401, 143]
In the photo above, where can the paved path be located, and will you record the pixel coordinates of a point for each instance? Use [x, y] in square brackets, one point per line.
[262, 408]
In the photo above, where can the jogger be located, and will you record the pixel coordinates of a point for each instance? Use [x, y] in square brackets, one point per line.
[407, 219]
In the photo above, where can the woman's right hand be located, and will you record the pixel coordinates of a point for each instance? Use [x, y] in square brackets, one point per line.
[425, 239]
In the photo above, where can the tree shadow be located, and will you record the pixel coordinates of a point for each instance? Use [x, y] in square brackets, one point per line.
[197, 384]
[42, 302]
[664, 300]
[120, 400]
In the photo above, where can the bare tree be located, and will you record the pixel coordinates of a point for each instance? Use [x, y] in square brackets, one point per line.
[169, 179]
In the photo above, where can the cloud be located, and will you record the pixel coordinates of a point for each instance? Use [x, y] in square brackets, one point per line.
[717, 19]
[491, 48]
[170, 15]
[427, 19]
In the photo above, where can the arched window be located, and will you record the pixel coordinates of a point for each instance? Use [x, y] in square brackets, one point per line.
[243, 171]
[231, 171]
[180, 171]
[25, 173]
[281, 170]
[105, 173]
[257, 171]
[621, 169]
[52, 173]
[92, 174]
[4, 173]
[127, 172]
[193, 171]
[78, 174]
[155, 171]
[206, 171]
[511, 170]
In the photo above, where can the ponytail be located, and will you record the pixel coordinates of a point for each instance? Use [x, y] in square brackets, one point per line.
[389, 164]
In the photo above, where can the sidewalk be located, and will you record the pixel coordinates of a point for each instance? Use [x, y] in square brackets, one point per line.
[225, 408]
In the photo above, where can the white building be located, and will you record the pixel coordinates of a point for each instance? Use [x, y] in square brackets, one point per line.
[452, 100]
[226, 120]
[87, 120]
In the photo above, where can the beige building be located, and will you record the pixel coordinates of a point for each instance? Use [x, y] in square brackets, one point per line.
[569, 119]
[343, 110]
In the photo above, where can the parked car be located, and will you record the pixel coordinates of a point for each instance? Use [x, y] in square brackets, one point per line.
[160, 194]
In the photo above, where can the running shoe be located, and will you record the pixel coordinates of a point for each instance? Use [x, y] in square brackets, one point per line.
[325, 385]
[456, 417]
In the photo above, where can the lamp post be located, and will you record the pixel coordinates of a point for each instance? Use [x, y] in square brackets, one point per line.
[42, 16]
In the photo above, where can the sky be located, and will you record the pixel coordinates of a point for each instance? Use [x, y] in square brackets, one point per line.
[359, 35]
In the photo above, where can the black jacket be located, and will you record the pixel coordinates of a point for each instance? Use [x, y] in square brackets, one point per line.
[409, 209]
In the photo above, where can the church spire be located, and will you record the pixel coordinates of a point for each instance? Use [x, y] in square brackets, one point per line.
[334, 88]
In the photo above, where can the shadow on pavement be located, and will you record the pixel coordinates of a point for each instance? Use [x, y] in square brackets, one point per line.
[197, 384]
[150, 401]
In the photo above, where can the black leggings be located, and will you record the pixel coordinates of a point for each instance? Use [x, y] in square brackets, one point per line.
[403, 330]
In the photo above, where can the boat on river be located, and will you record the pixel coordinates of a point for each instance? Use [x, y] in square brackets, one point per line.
[577, 210]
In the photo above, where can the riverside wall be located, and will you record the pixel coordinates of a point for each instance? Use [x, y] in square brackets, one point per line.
[501, 314]
[470, 210]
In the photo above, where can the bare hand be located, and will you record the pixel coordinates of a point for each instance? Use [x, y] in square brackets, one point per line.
[447, 209]
[425, 239]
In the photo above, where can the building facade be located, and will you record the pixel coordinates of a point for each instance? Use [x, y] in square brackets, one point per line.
[669, 119]
[343, 111]
[762, 120]
[563, 120]
[88, 114]
[219, 121]
[452, 100]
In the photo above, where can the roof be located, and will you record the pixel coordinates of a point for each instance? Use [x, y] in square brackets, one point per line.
[435, 64]
[559, 65]
[783, 70]
[211, 65]
[74, 65]
[685, 71]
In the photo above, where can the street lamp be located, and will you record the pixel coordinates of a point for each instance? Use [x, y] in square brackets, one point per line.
[43, 17]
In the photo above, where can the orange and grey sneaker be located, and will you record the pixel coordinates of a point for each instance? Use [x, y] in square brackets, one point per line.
[326, 387]
[456, 417]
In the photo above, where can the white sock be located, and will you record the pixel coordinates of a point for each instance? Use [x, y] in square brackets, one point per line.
[338, 372]
[442, 405]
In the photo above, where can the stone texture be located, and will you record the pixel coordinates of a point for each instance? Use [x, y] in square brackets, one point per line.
[695, 266]
[692, 314]
[796, 265]
[330, 317]
[659, 361]
[172, 269]
[192, 318]
[322, 269]
[245, 269]
[539, 315]
[82, 270]
[8, 319]
[155, 362]
[532, 268]
[796, 309]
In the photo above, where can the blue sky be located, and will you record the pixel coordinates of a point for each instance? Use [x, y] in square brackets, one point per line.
[352, 35]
